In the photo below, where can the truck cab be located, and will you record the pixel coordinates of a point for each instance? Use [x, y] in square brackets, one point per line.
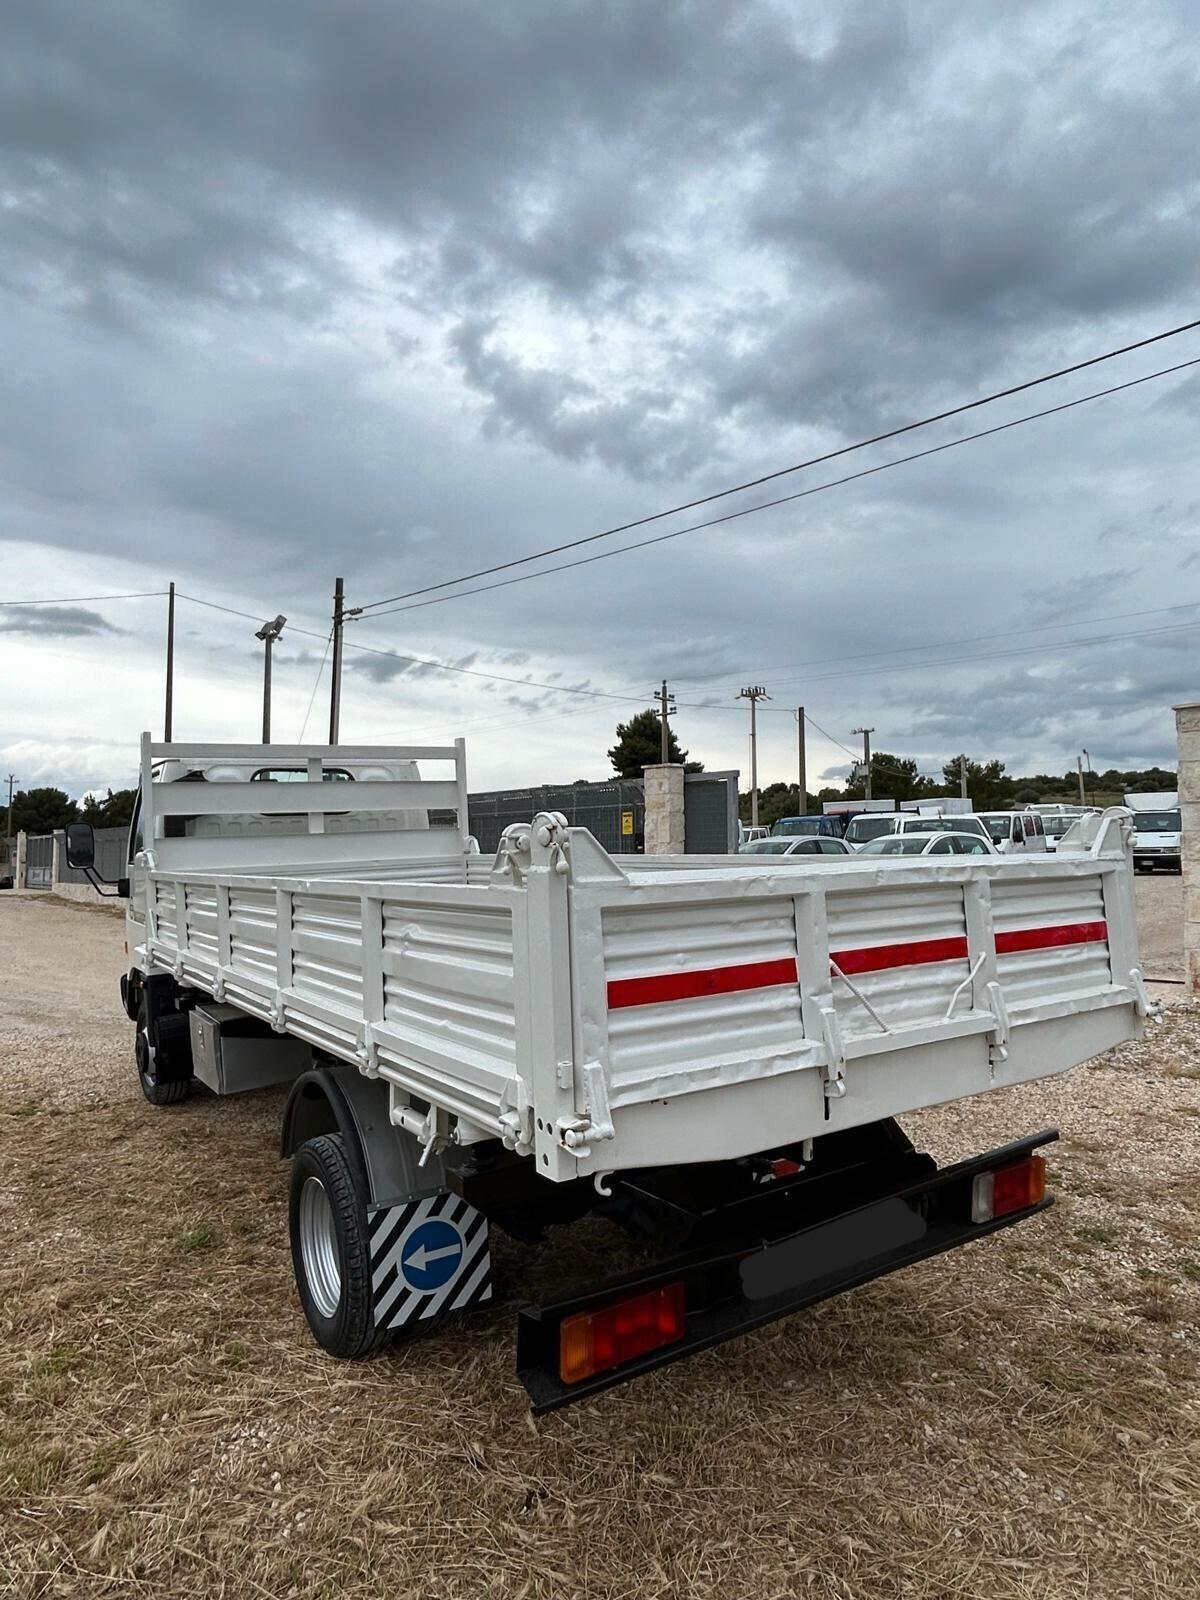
[1157, 834]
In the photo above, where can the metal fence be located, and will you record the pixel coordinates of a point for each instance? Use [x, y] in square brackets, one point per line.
[39, 861]
[110, 857]
[615, 813]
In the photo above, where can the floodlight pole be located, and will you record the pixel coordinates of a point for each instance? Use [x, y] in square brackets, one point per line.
[268, 633]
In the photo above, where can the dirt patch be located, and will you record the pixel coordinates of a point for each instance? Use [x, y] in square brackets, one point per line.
[1018, 1419]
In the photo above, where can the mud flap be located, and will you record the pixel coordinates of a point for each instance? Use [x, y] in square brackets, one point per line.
[428, 1256]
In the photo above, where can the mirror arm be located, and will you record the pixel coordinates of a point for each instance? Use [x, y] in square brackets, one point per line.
[97, 881]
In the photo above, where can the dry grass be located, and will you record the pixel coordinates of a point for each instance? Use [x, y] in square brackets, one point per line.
[1020, 1419]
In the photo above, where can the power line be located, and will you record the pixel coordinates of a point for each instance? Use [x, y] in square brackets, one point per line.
[1001, 655]
[79, 599]
[426, 661]
[781, 500]
[782, 472]
[950, 644]
[317, 684]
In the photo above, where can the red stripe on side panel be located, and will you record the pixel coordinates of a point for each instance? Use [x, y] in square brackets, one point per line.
[918, 953]
[692, 985]
[1065, 933]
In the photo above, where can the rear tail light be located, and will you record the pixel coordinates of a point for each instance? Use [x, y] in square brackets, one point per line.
[1015, 1188]
[594, 1341]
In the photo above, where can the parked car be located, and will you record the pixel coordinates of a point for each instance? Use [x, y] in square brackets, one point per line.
[936, 844]
[824, 827]
[796, 847]
[1014, 832]
[746, 834]
[880, 824]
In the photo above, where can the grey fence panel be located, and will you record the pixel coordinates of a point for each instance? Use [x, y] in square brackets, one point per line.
[39, 860]
[710, 812]
[614, 813]
[111, 852]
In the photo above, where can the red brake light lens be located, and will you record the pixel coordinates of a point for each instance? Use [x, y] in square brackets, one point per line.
[996, 1194]
[595, 1341]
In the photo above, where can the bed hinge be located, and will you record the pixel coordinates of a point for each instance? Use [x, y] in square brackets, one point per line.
[367, 1053]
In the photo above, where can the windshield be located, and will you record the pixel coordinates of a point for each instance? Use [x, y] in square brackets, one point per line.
[999, 826]
[900, 844]
[863, 828]
[1156, 822]
[791, 826]
[1057, 826]
[766, 847]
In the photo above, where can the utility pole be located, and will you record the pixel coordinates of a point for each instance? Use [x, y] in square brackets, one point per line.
[335, 688]
[665, 703]
[168, 714]
[803, 774]
[1079, 766]
[754, 695]
[962, 777]
[12, 778]
[268, 633]
[1088, 759]
[866, 739]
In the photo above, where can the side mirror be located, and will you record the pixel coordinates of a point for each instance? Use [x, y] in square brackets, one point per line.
[81, 845]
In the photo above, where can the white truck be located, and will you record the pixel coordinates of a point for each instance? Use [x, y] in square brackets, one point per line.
[1157, 830]
[711, 1051]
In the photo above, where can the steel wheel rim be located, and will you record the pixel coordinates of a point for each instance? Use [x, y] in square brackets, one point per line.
[319, 1247]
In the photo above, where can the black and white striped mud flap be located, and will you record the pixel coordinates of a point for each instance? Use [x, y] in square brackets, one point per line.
[427, 1256]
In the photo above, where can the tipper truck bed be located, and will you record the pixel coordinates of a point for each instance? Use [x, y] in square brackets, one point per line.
[709, 1050]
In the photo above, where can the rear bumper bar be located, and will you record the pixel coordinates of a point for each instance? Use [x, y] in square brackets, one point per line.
[736, 1284]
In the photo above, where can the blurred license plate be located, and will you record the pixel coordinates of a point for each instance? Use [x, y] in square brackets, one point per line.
[832, 1248]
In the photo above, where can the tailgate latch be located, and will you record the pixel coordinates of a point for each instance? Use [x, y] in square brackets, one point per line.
[578, 1134]
[833, 1069]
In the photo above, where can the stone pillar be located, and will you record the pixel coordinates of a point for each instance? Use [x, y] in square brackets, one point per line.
[58, 859]
[1187, 734]
[19, 871]
[664, 810]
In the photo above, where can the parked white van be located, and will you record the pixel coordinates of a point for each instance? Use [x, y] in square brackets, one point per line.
[866, 826]
[1014, 832]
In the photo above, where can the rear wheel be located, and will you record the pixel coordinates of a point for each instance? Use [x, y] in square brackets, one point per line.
[331, 1251]
[154, 1040]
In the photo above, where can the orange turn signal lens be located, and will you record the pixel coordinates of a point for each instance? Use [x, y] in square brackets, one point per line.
[1015, 1188]
[595, 1341]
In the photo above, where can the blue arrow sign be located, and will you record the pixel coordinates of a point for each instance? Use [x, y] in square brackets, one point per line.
[432, 1254]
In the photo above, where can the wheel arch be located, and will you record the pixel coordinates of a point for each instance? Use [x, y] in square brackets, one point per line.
[384, 1157]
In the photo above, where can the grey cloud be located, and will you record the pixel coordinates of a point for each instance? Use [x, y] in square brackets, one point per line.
[54, 622]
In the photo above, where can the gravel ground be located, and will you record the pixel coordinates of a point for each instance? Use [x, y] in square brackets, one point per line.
[1018, 1419]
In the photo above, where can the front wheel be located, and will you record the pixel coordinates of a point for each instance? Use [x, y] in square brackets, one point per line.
[331, 1250]
[148, 1047]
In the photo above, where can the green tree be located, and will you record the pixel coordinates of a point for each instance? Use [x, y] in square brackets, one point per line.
[892, 778]
[988, 786]
[114, 811]
[42, 810]
[775, 801]
[639, 744]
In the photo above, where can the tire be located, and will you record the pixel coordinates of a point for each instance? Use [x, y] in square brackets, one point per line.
[167, 1093]
[331, 1249]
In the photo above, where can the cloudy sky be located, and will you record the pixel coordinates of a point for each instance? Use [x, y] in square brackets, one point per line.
[400, 292]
